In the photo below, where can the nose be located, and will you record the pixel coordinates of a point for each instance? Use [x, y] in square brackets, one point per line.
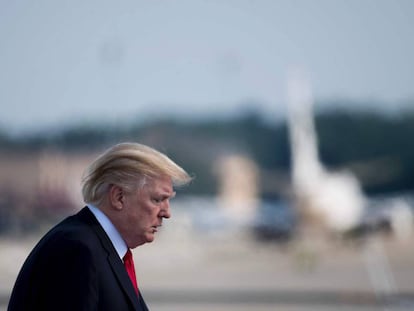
[165, 210]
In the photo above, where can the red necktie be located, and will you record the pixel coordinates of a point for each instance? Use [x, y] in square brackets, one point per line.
[130, 268]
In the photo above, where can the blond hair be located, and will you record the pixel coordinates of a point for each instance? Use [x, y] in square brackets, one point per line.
[128, 165]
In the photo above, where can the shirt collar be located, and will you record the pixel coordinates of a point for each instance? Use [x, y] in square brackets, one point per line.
[111, 231]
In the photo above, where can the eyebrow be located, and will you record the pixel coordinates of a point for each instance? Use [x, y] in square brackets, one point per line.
[166, 195]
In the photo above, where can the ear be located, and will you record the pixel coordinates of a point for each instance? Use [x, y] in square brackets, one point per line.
[116, 197]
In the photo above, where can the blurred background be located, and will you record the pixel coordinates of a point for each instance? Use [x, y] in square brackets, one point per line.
[295, 118]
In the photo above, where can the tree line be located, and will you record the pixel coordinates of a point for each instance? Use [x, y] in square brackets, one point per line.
[375, 146]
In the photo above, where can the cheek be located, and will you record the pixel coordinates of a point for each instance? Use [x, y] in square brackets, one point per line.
[149, 212]
[151, 209]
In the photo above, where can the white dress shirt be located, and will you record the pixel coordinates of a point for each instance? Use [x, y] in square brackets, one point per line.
[111, 231]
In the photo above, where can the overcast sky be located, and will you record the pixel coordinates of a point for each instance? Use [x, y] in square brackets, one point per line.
[113, 61]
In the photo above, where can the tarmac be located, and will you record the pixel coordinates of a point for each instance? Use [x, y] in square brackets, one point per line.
[190, 270]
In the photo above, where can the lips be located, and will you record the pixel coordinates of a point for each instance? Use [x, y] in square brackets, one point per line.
[155, 228]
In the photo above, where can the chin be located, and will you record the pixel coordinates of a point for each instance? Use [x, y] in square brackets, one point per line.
[140, 242]
[149, 239]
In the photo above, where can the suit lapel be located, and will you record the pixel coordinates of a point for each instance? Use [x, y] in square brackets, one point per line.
[123, 278]
[114, 261]
[142, 302]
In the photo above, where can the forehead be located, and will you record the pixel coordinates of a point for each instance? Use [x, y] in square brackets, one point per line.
[160, 184]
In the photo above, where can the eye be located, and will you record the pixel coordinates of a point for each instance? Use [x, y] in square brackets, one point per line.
[157, 200]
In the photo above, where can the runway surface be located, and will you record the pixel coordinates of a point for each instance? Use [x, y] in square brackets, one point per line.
[188, 270]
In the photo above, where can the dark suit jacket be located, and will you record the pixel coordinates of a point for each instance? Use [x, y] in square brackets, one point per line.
[75, 267]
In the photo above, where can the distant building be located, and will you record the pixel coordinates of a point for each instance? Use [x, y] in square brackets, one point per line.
[238, 187]
[35, 185]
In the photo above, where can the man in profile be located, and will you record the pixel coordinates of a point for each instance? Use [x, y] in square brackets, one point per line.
[85, 262]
